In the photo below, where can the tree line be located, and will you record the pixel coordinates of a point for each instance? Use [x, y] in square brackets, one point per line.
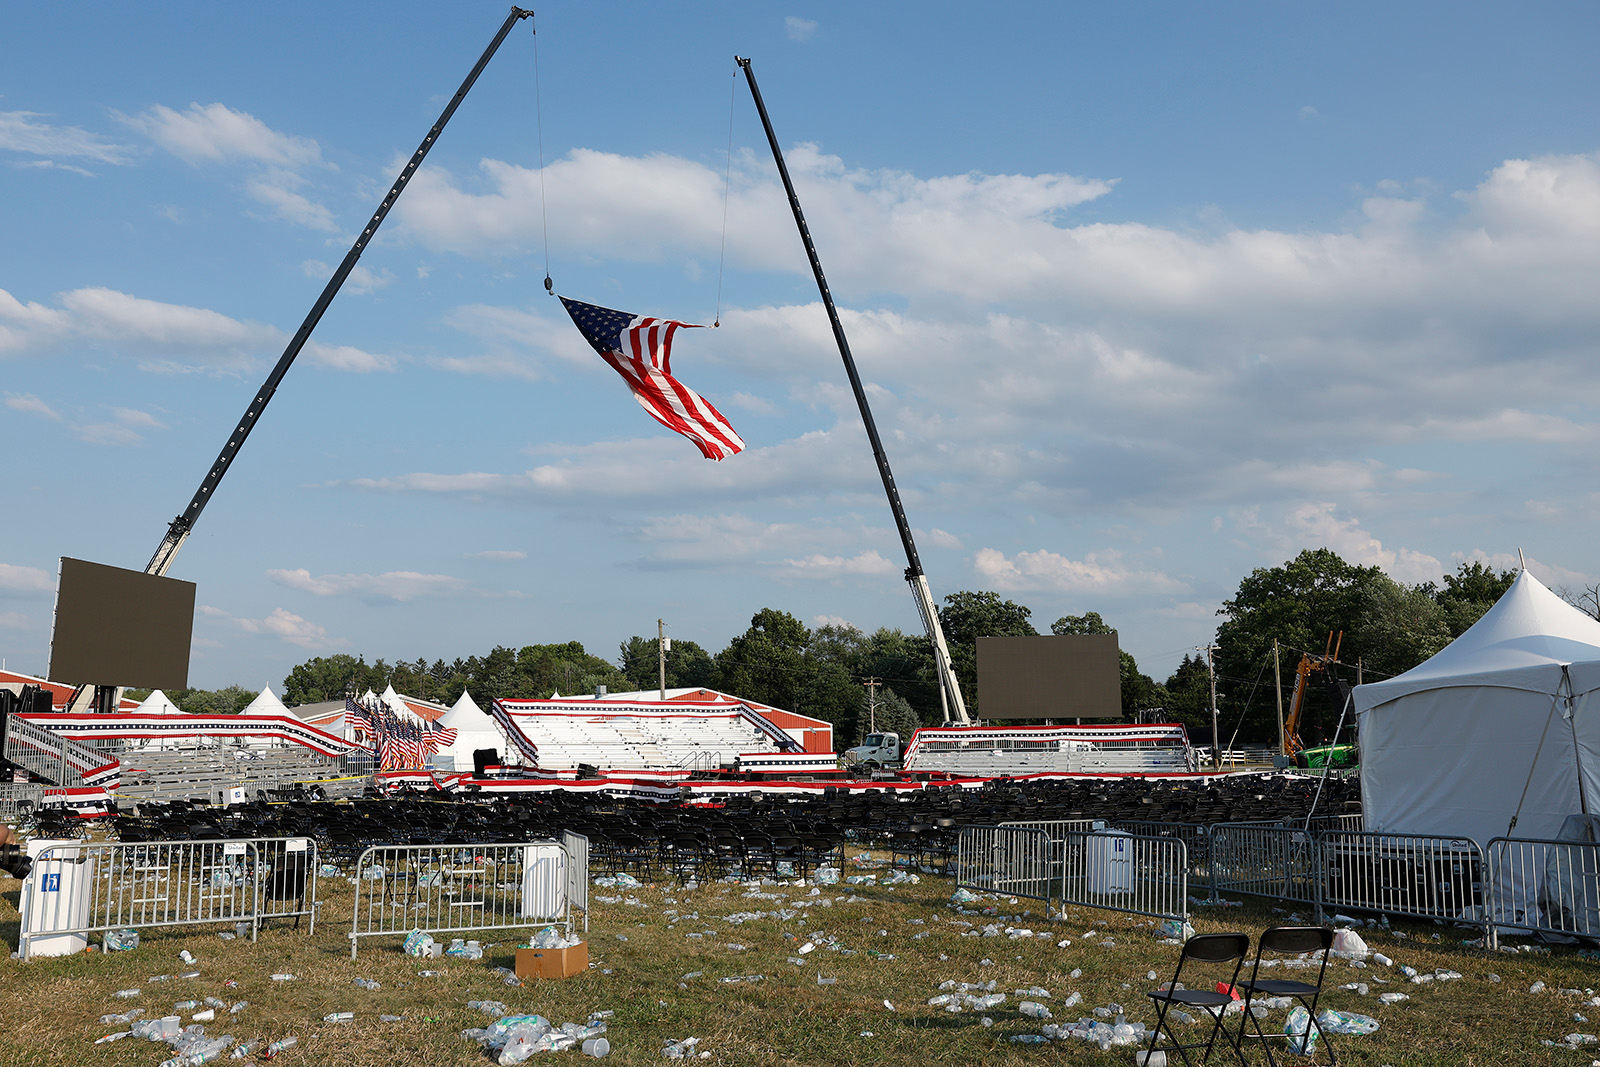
[1387, 627]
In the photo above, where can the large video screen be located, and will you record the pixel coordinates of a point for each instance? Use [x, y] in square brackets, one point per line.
[121, 627]
[1056, 677]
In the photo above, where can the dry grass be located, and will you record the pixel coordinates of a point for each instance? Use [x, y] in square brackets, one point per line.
[640, 954]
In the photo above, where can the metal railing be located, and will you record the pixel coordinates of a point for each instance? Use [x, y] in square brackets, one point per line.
[576, 847]
[1004, 859]
[1126, 872]
[465, 888]
[1401, 874]
[77, 888]
[1266, 861]
[1058, 829]
[50, 755]
[17, 800]
[1542, 885]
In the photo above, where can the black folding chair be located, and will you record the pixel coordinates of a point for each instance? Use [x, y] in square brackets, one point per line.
[1203, 949]
[1286, 941]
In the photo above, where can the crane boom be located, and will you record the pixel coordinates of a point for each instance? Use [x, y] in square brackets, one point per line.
[180, 528]
[1292, 744]
[949, 686]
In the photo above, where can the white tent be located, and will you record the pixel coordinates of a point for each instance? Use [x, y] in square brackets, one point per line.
[474, 730]
[266, 704]
[1503, 723]
[157, 703]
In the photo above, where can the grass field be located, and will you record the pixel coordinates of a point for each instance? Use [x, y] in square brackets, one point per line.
[644, 942]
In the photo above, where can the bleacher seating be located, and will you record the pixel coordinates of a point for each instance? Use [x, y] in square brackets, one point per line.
[642, 742]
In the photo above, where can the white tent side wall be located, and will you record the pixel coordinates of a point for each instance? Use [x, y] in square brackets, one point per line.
[1454, 761]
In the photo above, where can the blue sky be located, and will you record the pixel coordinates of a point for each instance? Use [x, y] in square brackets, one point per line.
[1146, 296]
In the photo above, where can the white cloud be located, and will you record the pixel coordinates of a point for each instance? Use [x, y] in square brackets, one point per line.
[288, 626]
[125, 427]
[1046, 570]
[17, 581]
[278, 194]
[32, 405]
[798, 29]
[215, 133]
[347, 358]
[499, 555]
[836, 621]
[360, 280]
[400, 586]
[21, 132]
[1316, 524]
[817, 565]
[16, 620]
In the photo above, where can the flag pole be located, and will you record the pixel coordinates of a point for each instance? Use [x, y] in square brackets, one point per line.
[950, 688]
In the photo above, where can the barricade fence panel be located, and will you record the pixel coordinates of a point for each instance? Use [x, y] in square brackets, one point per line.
[576, 847]
[1542, 885]
[1265, 861]
[1402, 874]
[1119, 871]
[1196, 838]
[460, 889]
[1058, 829]
[77, 888]
[1004, 859]
[286, 880]
[17, 800]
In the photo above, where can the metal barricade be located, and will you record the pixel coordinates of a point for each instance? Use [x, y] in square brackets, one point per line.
[1119, 871]
[17, 800]
[1196, 838]
[577, 850]
[1004, 859]
[77, 888]
[461, 888]
[286, 879]
[1542, 885]
[1402, 874]
[1277, 862]
[1058, 829]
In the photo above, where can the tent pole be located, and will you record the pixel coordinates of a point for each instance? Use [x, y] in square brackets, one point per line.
[1512, 825]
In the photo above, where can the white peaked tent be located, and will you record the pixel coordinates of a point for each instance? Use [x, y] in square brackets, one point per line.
[266, 704]
[158, 703]
[402, 711]
[1504, 722]
[474, 730]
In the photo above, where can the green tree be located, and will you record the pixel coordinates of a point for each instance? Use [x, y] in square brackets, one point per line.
[329, 678]
[688, 665]
[1187, 698]
[229, 700]
[1400, 626]
[893, 714]
[766, 663]
[1300, 604]
[1471, 591]
[968, 616]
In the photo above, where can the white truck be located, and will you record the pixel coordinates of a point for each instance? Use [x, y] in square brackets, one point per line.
[875, 750]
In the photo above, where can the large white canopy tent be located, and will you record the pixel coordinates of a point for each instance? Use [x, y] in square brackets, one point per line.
[474, 730]
[1497, 735]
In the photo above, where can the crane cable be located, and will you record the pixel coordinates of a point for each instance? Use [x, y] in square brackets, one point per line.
[727, 185]
[538, 112]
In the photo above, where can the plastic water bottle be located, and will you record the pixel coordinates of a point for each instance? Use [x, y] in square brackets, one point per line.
[279, 1045]
[245, 1049]
[237, 1008]
[368, 983]
[339, 1017]
[1034, 1010]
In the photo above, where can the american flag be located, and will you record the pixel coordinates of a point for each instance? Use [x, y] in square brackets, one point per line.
[640, 349]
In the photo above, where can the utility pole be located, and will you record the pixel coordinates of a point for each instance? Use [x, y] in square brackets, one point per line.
[1216, 735]
[1277, 678]
[663, 643]
[872, 705]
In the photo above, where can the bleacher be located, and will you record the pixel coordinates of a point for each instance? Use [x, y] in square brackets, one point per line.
[208, 773]
[642, 742]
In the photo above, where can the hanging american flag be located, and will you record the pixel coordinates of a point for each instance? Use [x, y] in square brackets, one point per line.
[640, 349]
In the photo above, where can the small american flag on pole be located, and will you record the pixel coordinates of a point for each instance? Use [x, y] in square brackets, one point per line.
[640, 349]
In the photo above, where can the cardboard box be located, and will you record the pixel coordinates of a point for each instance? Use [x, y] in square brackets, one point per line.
[552, 962]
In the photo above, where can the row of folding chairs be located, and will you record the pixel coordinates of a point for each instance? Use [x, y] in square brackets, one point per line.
[1213, 955]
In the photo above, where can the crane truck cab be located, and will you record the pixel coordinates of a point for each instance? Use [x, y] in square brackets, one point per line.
[876, 750]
